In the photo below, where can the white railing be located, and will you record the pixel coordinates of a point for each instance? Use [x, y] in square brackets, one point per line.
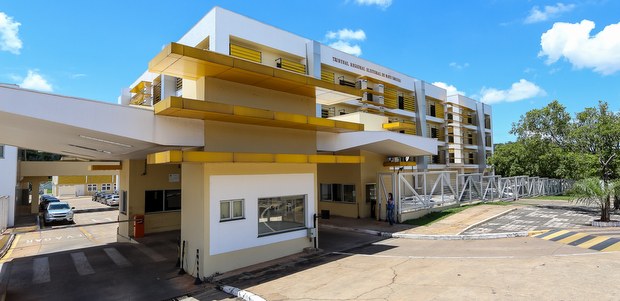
[425, 190]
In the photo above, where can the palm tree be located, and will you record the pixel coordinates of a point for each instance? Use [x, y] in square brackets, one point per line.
[595, 191]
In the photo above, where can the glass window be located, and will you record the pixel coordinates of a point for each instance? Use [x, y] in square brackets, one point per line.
[123, 202]
[349, 193]
[231, 210]
[91, 187]
[1, 151]
[106, 187]
[281, 214]
[326, 192]
[172, 200]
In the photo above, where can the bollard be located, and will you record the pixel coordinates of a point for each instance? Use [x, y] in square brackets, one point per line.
[198, 280]
[182, 271]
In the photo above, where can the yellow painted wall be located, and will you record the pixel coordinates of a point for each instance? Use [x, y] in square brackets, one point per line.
[99, 180]
[341, 174]
[195, 209]
[71, 180]
[135, 179]
[373, 163]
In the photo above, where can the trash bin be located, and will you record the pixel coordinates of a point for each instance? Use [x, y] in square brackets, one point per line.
[325, 214]
[138, 226]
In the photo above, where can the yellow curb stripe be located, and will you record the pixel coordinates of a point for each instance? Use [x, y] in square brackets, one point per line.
[572, 238]
[614, 247]
[536, 232]
[556, 234]
[592, 242]
[88, 235]
[7, 256]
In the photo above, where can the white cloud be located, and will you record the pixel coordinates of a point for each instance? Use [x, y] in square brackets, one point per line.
[600, 52]
[346, 34]
[520, 90]
[346, 47]
[9, 41]
[458, 66]
[35, 81]
[452, 90]
[383, 4]
[549, 12]
[345, 40]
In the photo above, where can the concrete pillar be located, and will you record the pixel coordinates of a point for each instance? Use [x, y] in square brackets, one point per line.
[482, 157]
[420, 98]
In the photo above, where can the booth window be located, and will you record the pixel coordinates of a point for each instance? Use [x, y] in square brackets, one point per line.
[91, 187]
[337, 193]
[122, 208]
[231, 210]
[162, 200]
[281, 214]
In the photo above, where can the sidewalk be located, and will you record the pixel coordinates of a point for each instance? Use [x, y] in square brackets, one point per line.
[454, 224]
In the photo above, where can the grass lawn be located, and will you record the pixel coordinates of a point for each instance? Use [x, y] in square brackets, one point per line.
[436, 216]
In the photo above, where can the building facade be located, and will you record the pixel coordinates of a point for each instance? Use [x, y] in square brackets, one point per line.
[291, 127]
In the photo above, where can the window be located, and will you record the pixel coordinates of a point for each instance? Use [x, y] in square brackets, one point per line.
[122, 208]
[338, 193]
[432, 110]
[281, 214]
[91, 187]
[231, 210]
[401, 102]
[106, 187]
[162, 200]
[434, 133]
[1, 151]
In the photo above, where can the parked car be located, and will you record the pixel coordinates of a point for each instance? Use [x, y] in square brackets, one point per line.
[45, 200]
[112, 200]
[101, 197]
[58, 211]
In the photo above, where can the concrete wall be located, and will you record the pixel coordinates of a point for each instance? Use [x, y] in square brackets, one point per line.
[8, 181]
[229, 245]
[341, 174]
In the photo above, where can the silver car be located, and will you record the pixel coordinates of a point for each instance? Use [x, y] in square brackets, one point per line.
[58, 211]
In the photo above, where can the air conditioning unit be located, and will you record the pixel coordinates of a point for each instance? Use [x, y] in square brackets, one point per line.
[379, 88]
[378, 99]
[361, 84]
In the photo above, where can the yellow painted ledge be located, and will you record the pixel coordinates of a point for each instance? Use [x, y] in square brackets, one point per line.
[397, 164]
[192, 63]
[177, 156]
[105, 167]
[398, 126]
[207, 110]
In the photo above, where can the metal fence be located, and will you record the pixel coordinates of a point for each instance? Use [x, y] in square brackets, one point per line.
[425, 190]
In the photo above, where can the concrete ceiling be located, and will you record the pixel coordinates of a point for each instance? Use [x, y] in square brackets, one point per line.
[89, 129]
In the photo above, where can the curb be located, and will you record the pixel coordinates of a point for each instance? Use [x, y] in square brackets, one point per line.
[7, 245]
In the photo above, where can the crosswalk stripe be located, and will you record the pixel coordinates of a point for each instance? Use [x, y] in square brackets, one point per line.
[117, 257]
[575, 237]
[41, 270]
[81, 264]
[614, 247]
[556, 234]
[150, 253]
[593, 241]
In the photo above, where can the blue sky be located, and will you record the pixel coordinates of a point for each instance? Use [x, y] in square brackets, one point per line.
[513, 54]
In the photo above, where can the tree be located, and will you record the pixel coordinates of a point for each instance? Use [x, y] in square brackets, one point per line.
[595, 191]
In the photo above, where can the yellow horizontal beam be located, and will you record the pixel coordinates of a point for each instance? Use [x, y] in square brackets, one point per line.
[192, 63]
[177, 156]
[104, 167]
[206, 110]
[398, 126]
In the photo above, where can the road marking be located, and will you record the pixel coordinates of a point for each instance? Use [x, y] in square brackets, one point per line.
[81, 264]
[87, 234]
[592, 242]
[150, 253]
[554, 234]
[575, 237]
[41, 270]
[117, 257]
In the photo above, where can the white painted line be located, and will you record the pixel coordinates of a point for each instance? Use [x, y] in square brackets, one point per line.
[117, 257]
[41, 270]
[81, 264]
[150, 253]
